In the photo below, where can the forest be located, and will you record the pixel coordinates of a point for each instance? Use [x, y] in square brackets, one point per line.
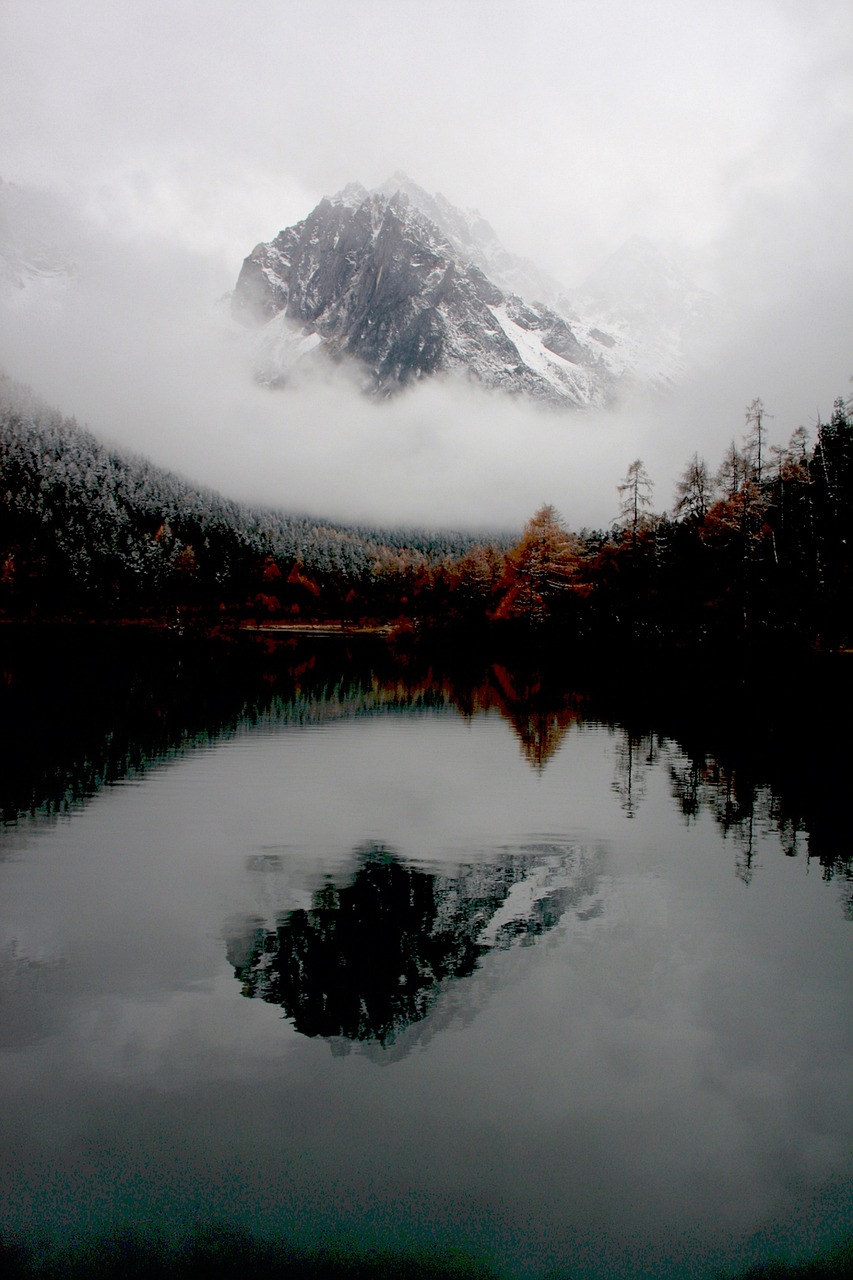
[756, 551]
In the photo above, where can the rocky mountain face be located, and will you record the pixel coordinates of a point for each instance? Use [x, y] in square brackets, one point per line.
[475, 241]
[406, 286]
[369, 276]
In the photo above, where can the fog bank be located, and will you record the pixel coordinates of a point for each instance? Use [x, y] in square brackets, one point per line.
[173, 138]
[140, 346]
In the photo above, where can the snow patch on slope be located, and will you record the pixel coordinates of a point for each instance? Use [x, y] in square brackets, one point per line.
[562, 374]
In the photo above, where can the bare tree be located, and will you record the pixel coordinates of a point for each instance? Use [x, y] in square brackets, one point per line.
[694, 492]
[635, 492]
[756, 437]
[732, 472]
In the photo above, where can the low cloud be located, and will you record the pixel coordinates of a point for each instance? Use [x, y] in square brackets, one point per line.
[185, 134]
[140, 346]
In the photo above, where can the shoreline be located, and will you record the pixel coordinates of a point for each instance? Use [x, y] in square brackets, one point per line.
[317, 628]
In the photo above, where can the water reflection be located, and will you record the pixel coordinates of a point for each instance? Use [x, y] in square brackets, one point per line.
[633, 757]
[630, 1060]
[539, 713]
[374, 954]
[82, 711]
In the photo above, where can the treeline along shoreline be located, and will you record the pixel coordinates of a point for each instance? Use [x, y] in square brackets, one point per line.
[756, 552]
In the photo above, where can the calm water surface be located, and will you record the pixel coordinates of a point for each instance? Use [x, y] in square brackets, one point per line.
[355, 967]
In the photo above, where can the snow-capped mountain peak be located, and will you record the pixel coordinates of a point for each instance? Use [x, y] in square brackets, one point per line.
[475, 240]
[408, 286]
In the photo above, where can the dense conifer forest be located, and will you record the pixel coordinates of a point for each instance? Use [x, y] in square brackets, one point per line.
[90, 531]
[757, 550]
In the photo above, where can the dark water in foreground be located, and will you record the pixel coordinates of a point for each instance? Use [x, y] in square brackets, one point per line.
[349, 953]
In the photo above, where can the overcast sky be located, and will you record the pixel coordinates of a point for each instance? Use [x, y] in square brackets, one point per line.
[185, 131]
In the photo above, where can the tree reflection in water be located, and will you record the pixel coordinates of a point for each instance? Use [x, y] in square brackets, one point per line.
[755, 752]
[371, 957]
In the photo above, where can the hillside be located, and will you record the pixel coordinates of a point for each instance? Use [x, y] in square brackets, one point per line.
[86, 526]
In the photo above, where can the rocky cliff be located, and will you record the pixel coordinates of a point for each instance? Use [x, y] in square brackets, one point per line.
[405, 286]
[369, 277]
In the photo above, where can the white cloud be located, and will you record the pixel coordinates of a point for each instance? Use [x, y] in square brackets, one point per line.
[183, 134]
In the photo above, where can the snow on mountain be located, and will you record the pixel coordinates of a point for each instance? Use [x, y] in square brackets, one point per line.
[382, 283]
[406, 286]
[658, 316]
[475, 241]
[400, 285]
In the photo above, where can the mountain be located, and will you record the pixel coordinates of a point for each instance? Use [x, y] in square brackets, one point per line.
[400, 285]
[657, 315]
[369, 276]
[406, 286]
[475, 241]
[86, 526]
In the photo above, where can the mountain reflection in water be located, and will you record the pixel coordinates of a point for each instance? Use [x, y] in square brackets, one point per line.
[592, 921]
[375, 955]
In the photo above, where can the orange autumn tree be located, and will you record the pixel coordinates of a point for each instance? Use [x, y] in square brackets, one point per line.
[541, 570]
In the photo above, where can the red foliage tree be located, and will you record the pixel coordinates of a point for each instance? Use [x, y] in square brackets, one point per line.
[540, 571]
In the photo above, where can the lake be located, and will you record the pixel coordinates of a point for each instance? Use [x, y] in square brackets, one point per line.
[355, 951]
